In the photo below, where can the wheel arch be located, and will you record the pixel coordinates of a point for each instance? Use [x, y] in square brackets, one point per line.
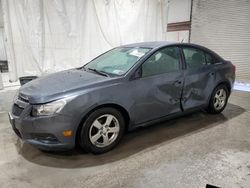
[118, 107]
[225, 83]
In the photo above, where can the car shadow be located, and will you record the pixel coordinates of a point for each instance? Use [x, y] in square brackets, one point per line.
[133, 142]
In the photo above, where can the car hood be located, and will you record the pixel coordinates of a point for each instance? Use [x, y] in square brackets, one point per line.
[57, 85]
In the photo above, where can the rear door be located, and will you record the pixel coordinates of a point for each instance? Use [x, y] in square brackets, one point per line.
[157, 92]
[200, 77]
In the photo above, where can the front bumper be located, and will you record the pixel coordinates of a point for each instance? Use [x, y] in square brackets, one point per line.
[44, 132]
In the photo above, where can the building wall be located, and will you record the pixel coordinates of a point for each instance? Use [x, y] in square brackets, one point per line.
[179, 20]
[2, 38]
[179, 11]
[223, 26]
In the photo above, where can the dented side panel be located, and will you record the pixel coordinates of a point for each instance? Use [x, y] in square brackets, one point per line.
[156, 96]
[198, 85]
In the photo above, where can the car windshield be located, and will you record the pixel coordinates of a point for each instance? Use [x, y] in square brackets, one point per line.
[116, 61]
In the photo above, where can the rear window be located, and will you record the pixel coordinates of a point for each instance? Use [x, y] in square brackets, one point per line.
[194, 57]
[210, 59]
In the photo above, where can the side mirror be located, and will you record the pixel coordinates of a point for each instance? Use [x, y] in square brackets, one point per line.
[137, 74]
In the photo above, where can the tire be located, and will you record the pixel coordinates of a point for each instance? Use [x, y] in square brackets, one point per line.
[102, 130]
[216, 104]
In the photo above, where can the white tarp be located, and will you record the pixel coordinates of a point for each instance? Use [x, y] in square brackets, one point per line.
[3, 56]
[50, 35]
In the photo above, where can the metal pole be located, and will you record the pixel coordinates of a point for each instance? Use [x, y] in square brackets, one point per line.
[191, 16]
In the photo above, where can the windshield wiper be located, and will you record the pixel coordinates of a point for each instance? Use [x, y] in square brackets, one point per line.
[81, 68]
[99, 72]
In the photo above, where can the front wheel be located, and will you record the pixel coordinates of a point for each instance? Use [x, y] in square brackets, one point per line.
[102, 130]
[218, 100]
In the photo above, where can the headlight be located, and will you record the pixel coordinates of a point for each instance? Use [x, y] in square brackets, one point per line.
[49, 108]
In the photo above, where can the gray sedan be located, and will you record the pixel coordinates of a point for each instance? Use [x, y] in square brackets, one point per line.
[127, 87]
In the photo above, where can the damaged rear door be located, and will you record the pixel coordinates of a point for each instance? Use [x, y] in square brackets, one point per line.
[199, 78]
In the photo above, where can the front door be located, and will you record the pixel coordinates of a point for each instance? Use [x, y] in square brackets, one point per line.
[158, 91]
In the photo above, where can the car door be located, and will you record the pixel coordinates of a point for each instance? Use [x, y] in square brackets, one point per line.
[158, 90]
[199, 78]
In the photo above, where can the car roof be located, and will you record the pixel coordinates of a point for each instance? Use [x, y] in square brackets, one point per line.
[155, 44]
[159, 44]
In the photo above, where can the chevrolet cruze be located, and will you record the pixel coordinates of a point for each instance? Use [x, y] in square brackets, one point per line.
[127, 87]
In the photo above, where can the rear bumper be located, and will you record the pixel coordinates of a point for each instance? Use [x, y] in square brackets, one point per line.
[44, 132]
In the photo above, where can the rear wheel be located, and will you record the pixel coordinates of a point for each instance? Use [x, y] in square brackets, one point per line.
[102, 130]
[218, 99]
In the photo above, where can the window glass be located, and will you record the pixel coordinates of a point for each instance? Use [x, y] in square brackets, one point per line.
[210, 59]
[162, 61]
[195, 58]
[117, 61]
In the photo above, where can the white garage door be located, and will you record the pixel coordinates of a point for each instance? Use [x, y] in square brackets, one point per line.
[224, 26]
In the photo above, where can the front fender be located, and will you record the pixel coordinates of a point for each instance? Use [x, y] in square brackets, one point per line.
[82, 105]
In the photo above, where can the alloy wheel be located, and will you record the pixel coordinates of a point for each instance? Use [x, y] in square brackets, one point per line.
[220, 99]
[104, 130]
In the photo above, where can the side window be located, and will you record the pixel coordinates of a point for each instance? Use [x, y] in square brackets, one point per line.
[163, 61]
[194, 58]
[211, 59]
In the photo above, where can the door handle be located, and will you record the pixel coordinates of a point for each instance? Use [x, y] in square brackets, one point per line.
[211, 73]
[177, 83]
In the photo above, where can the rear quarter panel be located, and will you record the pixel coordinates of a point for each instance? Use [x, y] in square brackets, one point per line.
[225, 73]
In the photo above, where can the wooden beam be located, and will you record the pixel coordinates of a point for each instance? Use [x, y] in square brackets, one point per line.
[179, 26]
